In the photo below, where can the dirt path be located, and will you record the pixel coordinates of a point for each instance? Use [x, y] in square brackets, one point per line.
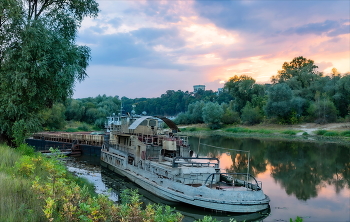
[310, 128]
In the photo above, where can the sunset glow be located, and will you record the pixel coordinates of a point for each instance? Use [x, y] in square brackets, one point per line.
[207, 42]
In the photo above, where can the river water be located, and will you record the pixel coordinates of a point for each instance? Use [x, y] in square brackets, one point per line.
[309, 180]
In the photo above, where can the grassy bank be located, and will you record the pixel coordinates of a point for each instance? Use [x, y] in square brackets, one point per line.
[271, 133]
[36, 188]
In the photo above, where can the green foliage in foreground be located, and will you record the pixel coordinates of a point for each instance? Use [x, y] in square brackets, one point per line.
[35, 188]
[297, 219]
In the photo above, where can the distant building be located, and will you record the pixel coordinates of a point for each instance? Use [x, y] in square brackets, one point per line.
[198, 87]
[220, 90]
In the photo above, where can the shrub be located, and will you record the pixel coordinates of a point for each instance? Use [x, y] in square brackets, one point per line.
[83, 127]
[212, 114]
[320, 132]
[71, 130]
[345, 133]
[238, 130]
[289, 132]
[230, 117]
[251, 115]
[331, 134]
[305, 134]
[264, 131]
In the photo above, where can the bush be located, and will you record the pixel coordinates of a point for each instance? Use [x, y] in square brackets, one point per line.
[83, 127]
[345, 133]
[250, 115]
[230, 117]
[289, 132]
[331, 134]
[264, 131]
[320, 132]
[71, 130]
[238, 130]
[212, 114]
[305, 134]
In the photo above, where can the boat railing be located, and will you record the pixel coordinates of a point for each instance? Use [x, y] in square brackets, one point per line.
[178, 161]
[194, 181]
[232, 179]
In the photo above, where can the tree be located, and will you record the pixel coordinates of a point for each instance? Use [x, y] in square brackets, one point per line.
[229, 116]
[243, 89]
[322, 110]
[195, 110]
[279, 101]
[54, 118]
[342, 95]
[39, 62]
[212, 114]
[296, 68]
[251, 115]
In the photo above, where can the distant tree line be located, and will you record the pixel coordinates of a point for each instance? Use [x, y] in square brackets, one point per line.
[298, 93]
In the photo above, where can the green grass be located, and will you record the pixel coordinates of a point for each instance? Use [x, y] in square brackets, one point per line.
[345, 133]
[17, 200]
[320, 132]
[331, 133]
[35, 188]
[290, 132]
[264, 131]
[75, 126]
[245, 130]
[238, 130]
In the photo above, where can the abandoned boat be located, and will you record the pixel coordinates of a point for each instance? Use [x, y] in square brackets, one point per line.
[162, 162]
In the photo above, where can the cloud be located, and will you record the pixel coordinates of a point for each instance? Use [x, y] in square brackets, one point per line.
[168, 37]
[329, 27]
[153, 46]
[269, 17]
[133, 48]
[323, 65]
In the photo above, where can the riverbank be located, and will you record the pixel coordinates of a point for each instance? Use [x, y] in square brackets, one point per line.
[34, 188]
[308, 132]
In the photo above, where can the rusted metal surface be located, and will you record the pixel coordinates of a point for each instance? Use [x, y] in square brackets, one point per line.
[77, 138]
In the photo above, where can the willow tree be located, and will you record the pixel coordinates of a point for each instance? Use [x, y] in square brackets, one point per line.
[39, 59]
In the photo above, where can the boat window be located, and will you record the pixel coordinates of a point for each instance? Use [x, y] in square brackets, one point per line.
[152, 122]
[144, 123]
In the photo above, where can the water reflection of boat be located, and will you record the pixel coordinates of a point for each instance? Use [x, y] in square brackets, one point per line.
[162, 163]
[117, 183]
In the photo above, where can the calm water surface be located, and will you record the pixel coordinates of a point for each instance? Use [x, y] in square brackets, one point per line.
[308, 180]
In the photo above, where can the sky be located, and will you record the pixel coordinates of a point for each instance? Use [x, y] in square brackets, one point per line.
[143, 48]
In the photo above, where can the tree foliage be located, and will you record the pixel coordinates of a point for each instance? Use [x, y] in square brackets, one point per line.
[243, 89]
[251, 115]
[212, 114]
[39, 60]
